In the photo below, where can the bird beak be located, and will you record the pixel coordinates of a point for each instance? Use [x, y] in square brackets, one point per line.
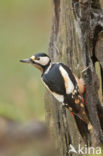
[28, 60]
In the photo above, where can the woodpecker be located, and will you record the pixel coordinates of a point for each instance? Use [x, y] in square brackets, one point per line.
[65, 86]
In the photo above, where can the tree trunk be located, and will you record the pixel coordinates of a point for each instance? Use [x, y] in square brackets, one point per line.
[76, 27]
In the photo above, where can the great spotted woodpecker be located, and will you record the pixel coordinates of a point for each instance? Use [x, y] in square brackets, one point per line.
[67, 88]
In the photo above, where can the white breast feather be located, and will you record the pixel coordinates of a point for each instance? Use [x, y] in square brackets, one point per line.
[60, 98]
[68, 83]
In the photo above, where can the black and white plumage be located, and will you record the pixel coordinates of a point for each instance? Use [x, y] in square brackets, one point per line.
[62, 84]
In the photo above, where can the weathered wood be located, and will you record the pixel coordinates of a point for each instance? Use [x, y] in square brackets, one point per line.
[73, 37]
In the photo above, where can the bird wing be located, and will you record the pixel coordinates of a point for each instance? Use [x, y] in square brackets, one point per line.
[74, 100]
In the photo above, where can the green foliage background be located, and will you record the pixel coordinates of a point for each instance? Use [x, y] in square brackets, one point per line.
[24, 30]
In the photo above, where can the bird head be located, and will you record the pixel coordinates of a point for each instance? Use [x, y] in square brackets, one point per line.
[40, 61]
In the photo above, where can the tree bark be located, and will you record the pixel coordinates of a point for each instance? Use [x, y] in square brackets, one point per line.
[76, 25]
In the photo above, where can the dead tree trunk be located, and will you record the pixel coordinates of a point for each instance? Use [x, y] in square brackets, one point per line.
[77, 32]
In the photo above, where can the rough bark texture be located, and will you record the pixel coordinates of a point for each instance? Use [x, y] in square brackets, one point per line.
[76, 25]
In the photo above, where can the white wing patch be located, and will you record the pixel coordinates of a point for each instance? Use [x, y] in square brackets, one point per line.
[59, 97]
[68, 83]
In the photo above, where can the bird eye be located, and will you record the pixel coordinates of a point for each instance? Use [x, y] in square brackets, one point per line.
[38, 58]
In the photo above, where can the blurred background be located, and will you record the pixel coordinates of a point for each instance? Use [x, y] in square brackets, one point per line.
[24, 30]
